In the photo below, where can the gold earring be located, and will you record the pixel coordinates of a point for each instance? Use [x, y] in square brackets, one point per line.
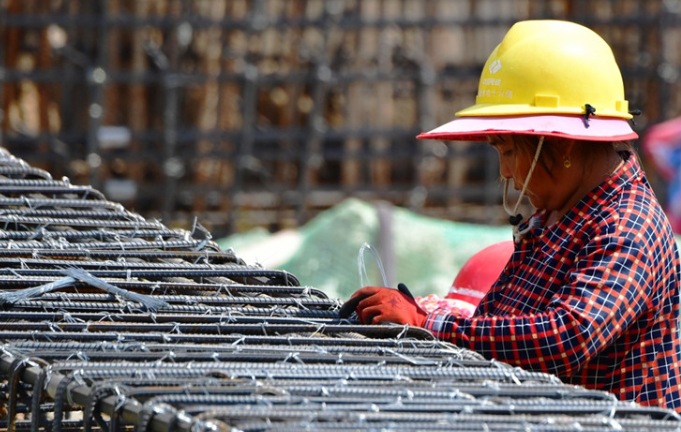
[567, 163]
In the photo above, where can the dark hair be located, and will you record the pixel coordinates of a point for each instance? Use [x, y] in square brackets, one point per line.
[550, 155]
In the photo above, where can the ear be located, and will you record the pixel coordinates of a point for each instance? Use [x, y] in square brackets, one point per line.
[566, 148]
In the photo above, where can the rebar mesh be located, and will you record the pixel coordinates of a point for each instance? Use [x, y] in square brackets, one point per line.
[110, 322]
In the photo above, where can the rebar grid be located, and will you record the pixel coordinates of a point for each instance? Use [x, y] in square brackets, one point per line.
[156, 329]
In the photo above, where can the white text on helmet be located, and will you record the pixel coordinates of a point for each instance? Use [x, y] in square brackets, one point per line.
[491, 81]
[495, 66]
[508, 94]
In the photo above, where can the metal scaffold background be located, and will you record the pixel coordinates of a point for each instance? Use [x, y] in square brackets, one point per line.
[249, 113]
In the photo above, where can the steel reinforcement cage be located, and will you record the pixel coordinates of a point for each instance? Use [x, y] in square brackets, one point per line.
[263, 112]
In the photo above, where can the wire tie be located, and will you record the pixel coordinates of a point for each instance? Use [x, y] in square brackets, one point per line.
[404, 331]
[276, 310]
[614, 424]
[320, 329]
[201, 245]
[38, 233]
[65, 298]
[176, 328]
[294, 356]
[220, 288]
[120, 399]
[6, 352]
[170, 355]
[514, 378]
[319, 349]
[196, 221]
[79, 355]
[62, 243]
[453, 362]
[78, 378]
[117, 239]
[298, 302]
[106, 316]
[154, 288]
[238, 313]
[53, 327]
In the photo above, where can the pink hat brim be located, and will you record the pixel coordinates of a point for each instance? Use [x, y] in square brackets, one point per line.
[573, 127]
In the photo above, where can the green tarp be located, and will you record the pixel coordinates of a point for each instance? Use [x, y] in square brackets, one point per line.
[422, 252]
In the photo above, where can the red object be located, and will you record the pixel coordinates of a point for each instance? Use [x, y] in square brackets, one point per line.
[480, 272]
[379, 304]
[660, 141]
[662, 144]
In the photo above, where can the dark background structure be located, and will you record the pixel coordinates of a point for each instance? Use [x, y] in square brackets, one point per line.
[245, 113]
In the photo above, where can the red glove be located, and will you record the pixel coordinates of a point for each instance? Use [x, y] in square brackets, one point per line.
[377, 304]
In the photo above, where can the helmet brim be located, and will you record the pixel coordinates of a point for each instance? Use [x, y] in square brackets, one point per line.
[562, 126]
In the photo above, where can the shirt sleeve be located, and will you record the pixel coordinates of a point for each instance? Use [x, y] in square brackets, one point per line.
[605, 291]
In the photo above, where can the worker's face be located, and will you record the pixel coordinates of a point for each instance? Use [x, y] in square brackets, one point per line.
[515, 163]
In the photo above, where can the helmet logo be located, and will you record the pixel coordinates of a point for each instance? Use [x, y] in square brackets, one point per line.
[495, 66]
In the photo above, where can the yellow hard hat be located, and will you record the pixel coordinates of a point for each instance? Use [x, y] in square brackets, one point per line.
[547, 77]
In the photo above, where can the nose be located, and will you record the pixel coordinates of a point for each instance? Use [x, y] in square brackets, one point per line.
[505, 173]
[505, 170]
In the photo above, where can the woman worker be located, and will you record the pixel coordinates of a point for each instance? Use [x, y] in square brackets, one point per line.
[591, 291]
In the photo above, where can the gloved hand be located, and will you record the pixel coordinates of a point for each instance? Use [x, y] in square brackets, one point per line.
[377, 304]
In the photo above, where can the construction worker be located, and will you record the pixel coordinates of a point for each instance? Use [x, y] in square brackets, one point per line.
[591, 292]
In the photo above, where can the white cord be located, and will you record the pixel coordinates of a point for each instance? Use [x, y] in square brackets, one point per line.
[514, 212]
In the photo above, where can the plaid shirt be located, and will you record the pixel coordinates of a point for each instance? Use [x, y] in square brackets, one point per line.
[593, 299]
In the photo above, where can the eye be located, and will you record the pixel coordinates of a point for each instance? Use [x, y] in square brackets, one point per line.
[506, 151]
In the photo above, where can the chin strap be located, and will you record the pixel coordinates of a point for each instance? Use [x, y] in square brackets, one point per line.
[516, 218]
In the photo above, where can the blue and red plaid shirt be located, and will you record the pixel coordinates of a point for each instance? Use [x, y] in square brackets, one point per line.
[593, 299]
